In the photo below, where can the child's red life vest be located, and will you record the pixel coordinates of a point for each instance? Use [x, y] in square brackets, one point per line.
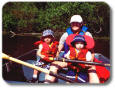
[79, 56]
[48, 50]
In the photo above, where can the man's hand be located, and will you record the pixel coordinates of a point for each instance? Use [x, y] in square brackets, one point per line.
[57, 54]
[60, 47]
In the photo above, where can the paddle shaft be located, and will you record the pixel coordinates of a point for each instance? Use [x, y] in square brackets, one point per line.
[84, 62]
[4, 56]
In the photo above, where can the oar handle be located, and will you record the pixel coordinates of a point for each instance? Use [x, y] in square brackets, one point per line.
[5, 56]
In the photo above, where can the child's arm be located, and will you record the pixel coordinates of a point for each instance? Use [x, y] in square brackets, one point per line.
[39, 51]
[43, 57]
[88, 56]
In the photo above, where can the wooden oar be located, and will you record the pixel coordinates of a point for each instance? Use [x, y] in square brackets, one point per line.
[83, 62]
[25, 34]
[5, 56]
[13, 34]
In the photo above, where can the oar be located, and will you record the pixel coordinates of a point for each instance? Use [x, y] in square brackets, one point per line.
[5, 56]
[82, 62]
[27, 53]
[27, 34]
[24, 34]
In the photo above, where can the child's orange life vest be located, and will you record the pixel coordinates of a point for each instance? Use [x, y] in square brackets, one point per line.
[79, 56]
[48, 50]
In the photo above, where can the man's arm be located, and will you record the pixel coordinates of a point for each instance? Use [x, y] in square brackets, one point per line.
[61, 43]
[60, 47]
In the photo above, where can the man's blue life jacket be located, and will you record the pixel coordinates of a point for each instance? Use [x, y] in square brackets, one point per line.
[69, 31]
[83, 30]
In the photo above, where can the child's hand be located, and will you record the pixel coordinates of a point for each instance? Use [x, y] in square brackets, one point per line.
[42, 56]
[51, 58]
[87, 65]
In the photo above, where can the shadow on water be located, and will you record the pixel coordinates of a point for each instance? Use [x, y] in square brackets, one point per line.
[18, 45]
[15, 47]
[103, 47]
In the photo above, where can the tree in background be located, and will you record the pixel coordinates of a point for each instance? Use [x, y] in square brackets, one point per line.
[19, 16]
[37, 16]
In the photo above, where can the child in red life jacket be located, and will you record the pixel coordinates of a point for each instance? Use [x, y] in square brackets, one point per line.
[47, 46]
[80, 52]
[47, 49]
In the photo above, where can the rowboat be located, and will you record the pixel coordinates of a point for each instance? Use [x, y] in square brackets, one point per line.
[27, 72]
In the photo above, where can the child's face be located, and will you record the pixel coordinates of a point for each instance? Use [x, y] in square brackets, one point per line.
[79, 45]
[48, 40]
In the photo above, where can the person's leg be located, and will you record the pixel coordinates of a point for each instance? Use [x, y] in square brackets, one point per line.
[93, 77]
[35, 72]
[51, 79]
[55, 66]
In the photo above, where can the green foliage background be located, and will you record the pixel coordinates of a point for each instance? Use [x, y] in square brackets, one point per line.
[22, 17]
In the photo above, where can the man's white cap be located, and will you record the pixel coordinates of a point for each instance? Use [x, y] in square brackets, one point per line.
[76, 18]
